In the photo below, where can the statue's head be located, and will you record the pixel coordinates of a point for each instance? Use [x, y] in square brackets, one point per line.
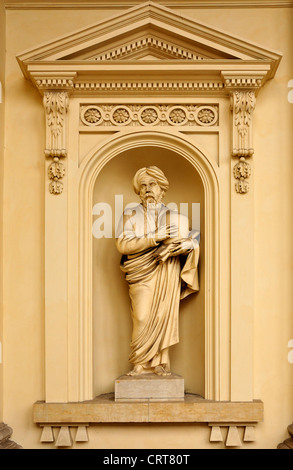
[150, 184]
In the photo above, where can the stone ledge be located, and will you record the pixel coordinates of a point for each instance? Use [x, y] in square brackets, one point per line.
[104, 409]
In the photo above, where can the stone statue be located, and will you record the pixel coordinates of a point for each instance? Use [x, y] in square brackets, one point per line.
[159, 259]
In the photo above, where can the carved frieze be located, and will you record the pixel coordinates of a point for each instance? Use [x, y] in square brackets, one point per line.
[150, 115]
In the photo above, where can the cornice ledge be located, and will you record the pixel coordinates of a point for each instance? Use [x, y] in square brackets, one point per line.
[89, 81]
[125, 4]
[73, 79]
[53, 81]
[244, 81]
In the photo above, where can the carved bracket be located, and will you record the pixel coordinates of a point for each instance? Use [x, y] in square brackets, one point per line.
[64, 434]
[56, 107]
[233, 433]
[242, 106]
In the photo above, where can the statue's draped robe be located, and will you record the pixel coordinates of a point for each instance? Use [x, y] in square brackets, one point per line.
[156, 280]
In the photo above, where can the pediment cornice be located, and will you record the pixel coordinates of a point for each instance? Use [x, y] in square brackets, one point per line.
[148, 46]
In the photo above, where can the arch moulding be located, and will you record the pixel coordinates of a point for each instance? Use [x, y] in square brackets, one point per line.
[90, 169]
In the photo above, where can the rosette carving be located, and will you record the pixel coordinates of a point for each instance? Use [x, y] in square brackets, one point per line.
[92, 116]
[121, 115]
[206, 115]
[177, 115]
[151, 115]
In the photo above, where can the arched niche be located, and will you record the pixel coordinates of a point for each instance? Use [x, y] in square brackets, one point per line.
[111, 313]
[105, 319]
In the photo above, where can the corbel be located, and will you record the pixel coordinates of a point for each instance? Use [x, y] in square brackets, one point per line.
[64, 433]
[242, 88]
[233, 436]
[55, 90]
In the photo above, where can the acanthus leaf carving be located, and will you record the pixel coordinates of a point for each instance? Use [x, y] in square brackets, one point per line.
[56, 106]
[56, 187]
[242, 105]
[242, 171]
[56, 172]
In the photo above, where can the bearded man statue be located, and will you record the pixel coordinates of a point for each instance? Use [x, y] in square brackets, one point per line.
[160, 260]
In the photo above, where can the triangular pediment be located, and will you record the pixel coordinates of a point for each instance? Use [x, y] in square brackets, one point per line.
[147, 43]
[148, 46]
[145, 35]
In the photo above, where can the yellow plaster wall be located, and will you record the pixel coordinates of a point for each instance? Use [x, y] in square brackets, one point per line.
[24, 233]
[2, 80]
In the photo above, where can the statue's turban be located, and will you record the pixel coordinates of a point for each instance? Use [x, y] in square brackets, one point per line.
[155, 173]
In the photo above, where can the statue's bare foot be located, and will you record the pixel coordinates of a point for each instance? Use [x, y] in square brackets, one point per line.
[137, 370]
[161, 370]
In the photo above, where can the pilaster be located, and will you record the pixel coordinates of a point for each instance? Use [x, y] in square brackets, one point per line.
[56, 103]
[243, 91]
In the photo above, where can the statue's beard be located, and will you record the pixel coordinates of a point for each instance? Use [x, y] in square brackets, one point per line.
[150, 199]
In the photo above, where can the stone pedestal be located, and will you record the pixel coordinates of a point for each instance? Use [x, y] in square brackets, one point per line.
[149, 387]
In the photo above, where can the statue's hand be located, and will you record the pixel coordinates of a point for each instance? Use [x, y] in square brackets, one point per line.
[181, 247]
[162, 233]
